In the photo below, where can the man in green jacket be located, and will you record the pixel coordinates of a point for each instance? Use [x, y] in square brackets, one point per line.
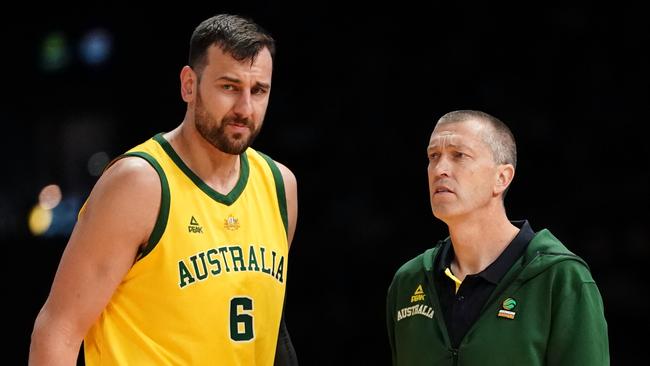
[494, 292]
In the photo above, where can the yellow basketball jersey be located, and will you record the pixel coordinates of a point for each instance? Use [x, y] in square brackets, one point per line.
[208, 289]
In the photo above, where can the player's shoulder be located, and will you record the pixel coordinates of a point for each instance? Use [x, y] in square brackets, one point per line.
[133, 168]
[417, 265]
[130, 177]
[125, 181]
[572, 269]
[409, 274]
[548, 254]
[413, 265]
[287, 174]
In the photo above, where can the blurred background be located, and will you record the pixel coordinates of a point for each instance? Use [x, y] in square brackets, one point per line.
[355, 98]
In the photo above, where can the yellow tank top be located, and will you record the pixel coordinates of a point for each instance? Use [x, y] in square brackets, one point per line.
[208, 288]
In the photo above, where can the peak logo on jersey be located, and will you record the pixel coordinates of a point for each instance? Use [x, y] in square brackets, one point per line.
[417, 309]
[507, 305]
[418, 295]
[231, 223]
[194, 226]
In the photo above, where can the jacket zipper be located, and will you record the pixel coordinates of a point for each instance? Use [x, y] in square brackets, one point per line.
[454, 353]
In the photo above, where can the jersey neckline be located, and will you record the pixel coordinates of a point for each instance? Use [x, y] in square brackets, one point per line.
[226, 199]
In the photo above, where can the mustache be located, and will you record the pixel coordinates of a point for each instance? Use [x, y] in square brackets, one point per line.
[241, 121]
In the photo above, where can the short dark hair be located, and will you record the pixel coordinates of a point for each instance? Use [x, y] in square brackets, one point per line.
[237, 36]
[500, 140]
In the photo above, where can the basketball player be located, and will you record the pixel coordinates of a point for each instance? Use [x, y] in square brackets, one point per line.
[180, 254]
[494, 292]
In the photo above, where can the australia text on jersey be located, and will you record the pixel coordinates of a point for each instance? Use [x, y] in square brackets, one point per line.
[215, 261]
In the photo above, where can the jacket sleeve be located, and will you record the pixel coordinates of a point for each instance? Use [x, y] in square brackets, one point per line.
[578, 327]
[390, 321]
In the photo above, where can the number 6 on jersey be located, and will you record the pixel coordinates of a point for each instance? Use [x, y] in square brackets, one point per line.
[241, 322]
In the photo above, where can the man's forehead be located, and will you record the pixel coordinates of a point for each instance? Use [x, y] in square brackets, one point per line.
[443, 134]
[455, 139]
[445, 138]
[262, 62]
[465, 132]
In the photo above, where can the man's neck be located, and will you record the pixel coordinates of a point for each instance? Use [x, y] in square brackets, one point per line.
[216, 168]
[478, 241]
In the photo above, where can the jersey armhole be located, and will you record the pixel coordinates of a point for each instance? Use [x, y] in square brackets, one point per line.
[279, 190]
[163, 213]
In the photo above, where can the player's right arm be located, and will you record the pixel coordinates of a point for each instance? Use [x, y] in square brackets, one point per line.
[118, 218]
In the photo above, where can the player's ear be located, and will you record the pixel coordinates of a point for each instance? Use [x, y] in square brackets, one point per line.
[505, 174]
[189, 83]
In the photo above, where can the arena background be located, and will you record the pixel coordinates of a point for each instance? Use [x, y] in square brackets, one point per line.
[355, 97]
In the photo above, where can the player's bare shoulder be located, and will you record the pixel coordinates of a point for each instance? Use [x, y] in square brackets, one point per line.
[287, 175]
[133, 168]
[129, 189]
[291, 194]
[130, 176]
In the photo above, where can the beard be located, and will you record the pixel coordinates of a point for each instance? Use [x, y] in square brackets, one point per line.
[215, 132]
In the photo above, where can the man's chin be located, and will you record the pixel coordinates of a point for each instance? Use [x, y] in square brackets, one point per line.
[443, 212]
[235, 147]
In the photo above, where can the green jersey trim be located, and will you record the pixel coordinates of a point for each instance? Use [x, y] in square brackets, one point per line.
[227, 199]
[163, 214]
[279, 190]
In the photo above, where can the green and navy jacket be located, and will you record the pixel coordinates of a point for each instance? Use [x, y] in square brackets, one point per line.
[546, 310]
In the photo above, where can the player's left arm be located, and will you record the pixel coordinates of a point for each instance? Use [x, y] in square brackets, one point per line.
[285, 354]
[579, 334]
[291, 194]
